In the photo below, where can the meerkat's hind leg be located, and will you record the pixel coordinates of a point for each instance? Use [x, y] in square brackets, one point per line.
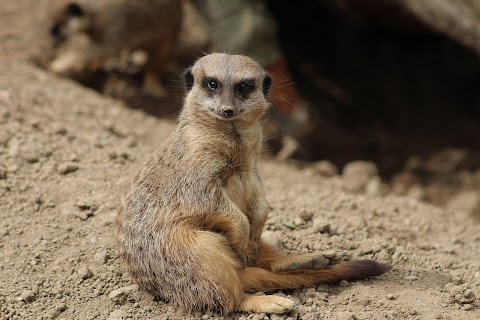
[270, 259]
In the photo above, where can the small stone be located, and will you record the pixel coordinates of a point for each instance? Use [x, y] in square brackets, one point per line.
[357, 174]
[343, 283]
[467, 306]
[120, 295]
[449, 287]
[468, 294]
[84, 273]
[325, 168]
[67, 167]
[273, 238]
[118, 315]
[61, 307]
[101, 257]
[465, 201]
[345, 316]
[309, 302]
[26, 296]
[410, 278]
[305, 215]
[322, 226]
[390, 296]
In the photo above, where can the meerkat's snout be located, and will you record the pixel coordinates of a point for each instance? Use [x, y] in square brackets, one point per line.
[228, 112]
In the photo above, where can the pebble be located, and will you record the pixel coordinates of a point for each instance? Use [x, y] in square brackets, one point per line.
[467, 306]
[117, 315]
[321, 225]
[84, 273]
[449, 287]
[325, 168]
[343, 283]
[305, 215]
[101, 257]
[26, 296]
[357, 174]
[120, 295]
[67, 167]
[345, 316]
[465, 201]
[390, 296]
[273, 238]
[410, 278]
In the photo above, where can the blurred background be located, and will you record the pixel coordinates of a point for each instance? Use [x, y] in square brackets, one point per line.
[386, 92]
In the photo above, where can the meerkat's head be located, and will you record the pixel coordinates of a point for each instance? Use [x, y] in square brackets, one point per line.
[68, 19]
[227, 87]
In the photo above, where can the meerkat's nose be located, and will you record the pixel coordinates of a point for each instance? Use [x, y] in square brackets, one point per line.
[228, 111]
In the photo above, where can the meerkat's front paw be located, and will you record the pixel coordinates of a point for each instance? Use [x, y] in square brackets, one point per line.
[268, 304]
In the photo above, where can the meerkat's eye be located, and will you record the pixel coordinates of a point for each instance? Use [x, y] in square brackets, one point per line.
[245, 86]
[212, 85]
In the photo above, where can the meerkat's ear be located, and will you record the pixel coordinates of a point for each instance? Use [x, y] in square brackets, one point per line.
[267, 83]
[188, 76]
[75, 10]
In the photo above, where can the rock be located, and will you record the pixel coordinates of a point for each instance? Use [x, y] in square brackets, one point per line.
[273, 238]
[321, 225]
[343, 283]
[117, 315]
[305, 215]
[67, 167]
[324, 168]
[461, 294]
[27, 296]
[120, 295]
[410, 278]
[374, 186]
[101, 257]
[345, 316]
[357, 174]
[84, 273]
[465, 201]
[390, 296]
[468, 306]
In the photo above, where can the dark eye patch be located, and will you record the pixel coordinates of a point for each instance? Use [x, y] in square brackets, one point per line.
[55, 30]
[244, 87]
[75, 10]
[212, 84]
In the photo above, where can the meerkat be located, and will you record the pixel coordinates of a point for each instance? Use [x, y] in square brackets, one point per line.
[86, 32]
[189, 225]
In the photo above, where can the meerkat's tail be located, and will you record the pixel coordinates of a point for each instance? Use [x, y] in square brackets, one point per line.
[258, 279]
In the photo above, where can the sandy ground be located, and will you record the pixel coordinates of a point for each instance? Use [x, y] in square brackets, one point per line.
[66, 152]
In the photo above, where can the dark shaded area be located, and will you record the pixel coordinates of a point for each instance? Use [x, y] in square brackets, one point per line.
[382, 85]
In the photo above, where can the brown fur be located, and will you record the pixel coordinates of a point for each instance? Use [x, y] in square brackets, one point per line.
[112, 26]
[189, 226]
